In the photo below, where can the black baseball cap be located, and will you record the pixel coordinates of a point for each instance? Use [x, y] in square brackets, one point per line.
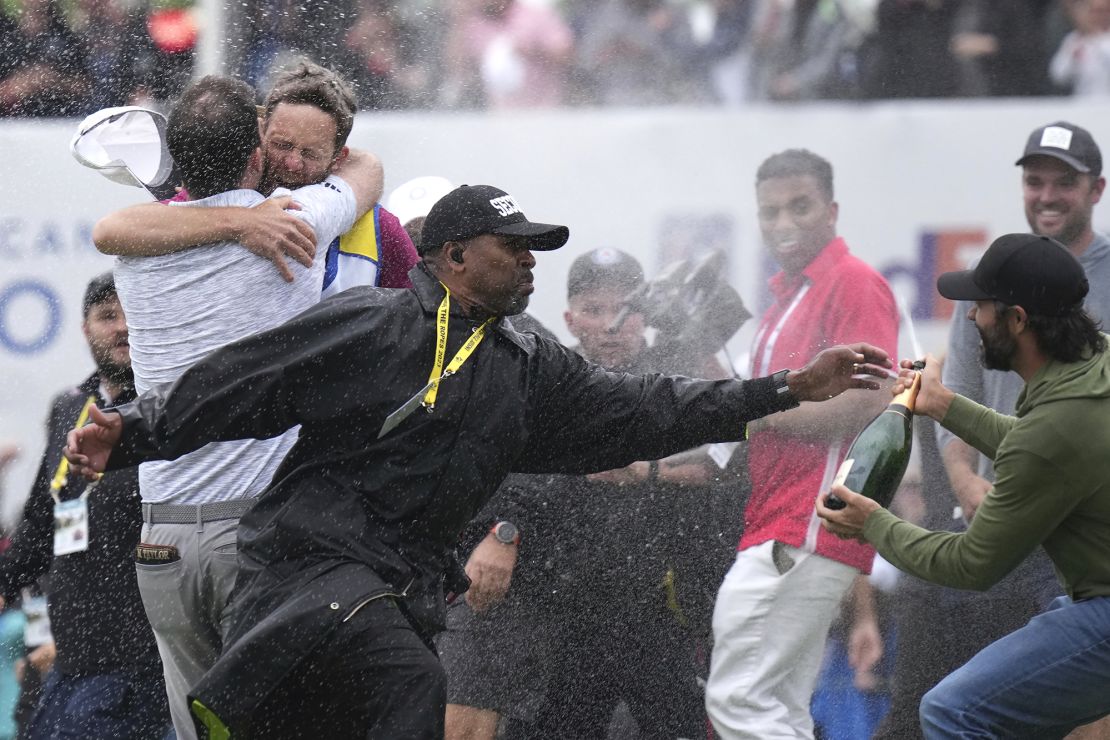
[473, 210]
[100, 288]
[1034, 272]
[1073, 145]
[604, 267]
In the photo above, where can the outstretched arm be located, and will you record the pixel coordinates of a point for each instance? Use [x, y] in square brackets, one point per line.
[619, 418]
[310, 368]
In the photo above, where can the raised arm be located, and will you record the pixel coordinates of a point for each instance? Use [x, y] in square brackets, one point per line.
[363, 172]
[153, 229]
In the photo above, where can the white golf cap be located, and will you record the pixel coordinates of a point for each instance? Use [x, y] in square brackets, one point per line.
[416, 197]
[128, 145]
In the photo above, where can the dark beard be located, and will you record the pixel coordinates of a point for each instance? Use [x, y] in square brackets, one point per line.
[998, 348]
[118, 375]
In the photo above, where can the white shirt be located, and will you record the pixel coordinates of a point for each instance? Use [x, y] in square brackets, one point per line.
[182, 306]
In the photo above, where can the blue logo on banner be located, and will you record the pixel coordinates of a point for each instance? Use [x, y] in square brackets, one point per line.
[53, 311]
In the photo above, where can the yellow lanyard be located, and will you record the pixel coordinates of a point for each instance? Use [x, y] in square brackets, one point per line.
[58, 482]
[438, 372]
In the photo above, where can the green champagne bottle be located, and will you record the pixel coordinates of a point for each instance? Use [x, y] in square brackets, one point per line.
[879, 454]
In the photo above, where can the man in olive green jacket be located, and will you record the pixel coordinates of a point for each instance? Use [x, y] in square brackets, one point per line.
[1052, 462]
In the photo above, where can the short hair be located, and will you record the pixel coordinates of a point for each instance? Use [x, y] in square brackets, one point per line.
[211, 134]
[307, 83]
[798, 163]
[100, 288]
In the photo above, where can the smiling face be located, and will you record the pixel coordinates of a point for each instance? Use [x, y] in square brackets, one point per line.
[105, 330]
[797, 219]
[298, 141]
[589, 315]
[1058, 200]
[498, 272]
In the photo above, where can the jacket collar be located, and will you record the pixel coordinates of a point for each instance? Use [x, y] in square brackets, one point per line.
[90, 386]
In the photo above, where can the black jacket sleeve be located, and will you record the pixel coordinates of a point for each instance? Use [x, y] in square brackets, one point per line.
[31, 550]
[305, 370]
[588, 419]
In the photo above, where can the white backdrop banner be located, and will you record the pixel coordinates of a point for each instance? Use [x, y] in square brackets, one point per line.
[922, 188]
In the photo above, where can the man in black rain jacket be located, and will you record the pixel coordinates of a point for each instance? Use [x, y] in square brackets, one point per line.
[343, 558]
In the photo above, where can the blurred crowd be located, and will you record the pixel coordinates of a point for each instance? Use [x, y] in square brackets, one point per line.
[70, 57]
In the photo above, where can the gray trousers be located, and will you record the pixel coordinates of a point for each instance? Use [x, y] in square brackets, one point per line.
[187, 604]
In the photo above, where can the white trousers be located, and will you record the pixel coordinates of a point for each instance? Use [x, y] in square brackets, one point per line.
[770, 622]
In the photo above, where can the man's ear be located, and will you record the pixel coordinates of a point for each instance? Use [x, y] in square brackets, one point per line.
[1017, 319]
[568, 317]
[340, 158]
[451, 257]
[254, 164]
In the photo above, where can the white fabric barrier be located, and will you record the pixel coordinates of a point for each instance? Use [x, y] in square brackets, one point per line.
[922, 187]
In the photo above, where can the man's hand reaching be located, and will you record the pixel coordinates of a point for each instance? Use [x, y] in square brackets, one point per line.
[270, 231]
[89, 447]
[836, 369]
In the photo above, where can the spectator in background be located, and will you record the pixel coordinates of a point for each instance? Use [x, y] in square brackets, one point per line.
[507, 54]
[280, 32]
[811, 56]
[375, 64]
[411, 200]
[106, 680]
[39, 652]
[1009, 41]
[11, 629]
[11, 650]
[614, 577]
[724, 60]
[1082, 63]
[43, 65]
[638, 52]
[9, 453]
[789, 577]
[172, 39]
[910, 50]
[118, 50]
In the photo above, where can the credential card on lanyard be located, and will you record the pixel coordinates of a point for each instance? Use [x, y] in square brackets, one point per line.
[36, 630]
[405, 410]
[71, 526]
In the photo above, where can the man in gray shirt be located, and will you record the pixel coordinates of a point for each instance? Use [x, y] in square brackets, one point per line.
[1061, 183]
[182, 306]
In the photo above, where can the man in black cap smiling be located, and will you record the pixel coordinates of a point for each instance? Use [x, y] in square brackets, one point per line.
[413, 406]
[1052, 464]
